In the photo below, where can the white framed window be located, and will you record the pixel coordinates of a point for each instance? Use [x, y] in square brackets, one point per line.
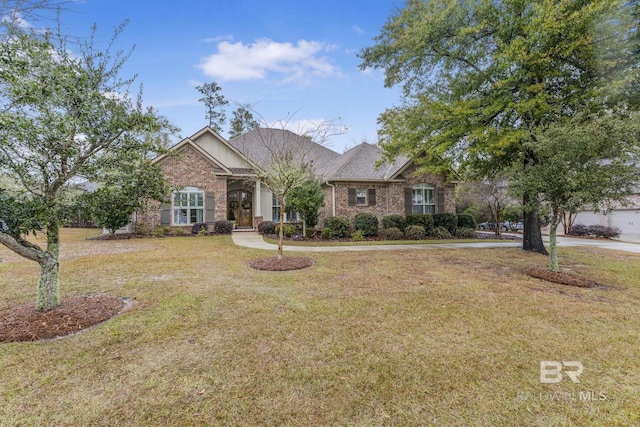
[423, 199]
[289, 216]
[275, 210]
[361, 197]
[188, 206]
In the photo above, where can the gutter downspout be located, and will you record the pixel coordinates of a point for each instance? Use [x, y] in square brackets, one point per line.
[333, 197]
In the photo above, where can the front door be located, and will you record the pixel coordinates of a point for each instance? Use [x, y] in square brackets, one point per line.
[240, 204]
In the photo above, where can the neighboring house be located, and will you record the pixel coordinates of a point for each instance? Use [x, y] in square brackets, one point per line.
[626, 218]
[216, 179]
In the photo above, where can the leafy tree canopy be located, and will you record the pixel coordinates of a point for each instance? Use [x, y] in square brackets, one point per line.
[480, 77]
[66, 116]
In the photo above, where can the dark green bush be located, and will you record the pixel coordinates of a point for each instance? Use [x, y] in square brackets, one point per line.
[367, 223]
[446, 220]
[414, 232]
[223, 226]
[357, 236]
[340, 226]
[326, 234]
[198, 227]
[267, 227]
[425, 220]
[392, 233]
[440, 233]
[288, 230]
[466, 233]
[394, 221]
[467, 221]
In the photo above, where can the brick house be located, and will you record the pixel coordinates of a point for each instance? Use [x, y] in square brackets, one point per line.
[216, 179]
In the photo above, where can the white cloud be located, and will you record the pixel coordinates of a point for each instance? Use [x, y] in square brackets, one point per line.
[237, 61]
[15, 17]
[357, 29]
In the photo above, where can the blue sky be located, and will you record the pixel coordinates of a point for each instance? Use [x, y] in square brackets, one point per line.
[292, 60]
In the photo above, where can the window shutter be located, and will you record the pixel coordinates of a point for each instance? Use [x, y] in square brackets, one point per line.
[351, 193]
[371, 196]
[440, 200]
[209, 207]
[165, 214]
[408, 201]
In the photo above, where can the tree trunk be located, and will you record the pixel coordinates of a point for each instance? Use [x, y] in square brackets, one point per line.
[553, 250]
[48, 294]
[281, 231]
[531, 235]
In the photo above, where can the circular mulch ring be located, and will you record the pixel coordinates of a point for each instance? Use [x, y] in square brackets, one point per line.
[284, 264]
[562, 278]
[25, 323]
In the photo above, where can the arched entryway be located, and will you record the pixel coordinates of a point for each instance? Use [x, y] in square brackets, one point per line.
[240, 207]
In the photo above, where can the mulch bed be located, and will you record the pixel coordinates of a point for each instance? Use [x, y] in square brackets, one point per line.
[561, 278]
[285, 264]
[25, 323]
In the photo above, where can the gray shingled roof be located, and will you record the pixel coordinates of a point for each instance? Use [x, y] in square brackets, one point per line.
[357, 163]
[360, 163]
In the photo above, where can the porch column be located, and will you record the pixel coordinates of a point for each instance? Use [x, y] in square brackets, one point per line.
[258, 204]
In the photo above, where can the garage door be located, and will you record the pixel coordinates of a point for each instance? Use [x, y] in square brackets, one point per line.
[628, 221]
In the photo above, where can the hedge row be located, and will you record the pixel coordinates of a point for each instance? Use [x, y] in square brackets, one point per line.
[594, 231]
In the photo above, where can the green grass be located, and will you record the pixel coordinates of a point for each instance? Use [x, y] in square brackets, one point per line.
[415, 337]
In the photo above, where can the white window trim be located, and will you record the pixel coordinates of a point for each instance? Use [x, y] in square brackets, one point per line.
[365, 191]
[288, 216]
[188, 191]
[424, 205]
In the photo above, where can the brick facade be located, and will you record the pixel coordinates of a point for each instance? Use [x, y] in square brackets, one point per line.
[390, 198]
[188, 168]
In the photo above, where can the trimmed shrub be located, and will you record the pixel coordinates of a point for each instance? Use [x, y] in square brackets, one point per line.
[392, 233]
[414, 232]
[160, 231]
[466, 221]
[195, 228]
[440, 233]
[446, 220]
[425, 220]
[604, 231]
[340, 226]
[578, 230]
[310, 232]
[466, 233]
[222, 226]
[326, 233]
[357, 236]
[267, 227]
[179, 231]
[394, 221]
[367, 223]
[288, 230]
[594, 231]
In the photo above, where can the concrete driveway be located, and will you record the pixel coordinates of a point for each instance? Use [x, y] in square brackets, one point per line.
[252, 239]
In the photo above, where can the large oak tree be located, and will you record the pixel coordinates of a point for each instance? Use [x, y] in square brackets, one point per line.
[482, 78]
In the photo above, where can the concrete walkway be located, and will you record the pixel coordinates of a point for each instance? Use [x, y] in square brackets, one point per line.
[252, 239]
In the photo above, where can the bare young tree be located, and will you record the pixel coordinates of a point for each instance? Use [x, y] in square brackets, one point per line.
[494, 194]
[289, 159]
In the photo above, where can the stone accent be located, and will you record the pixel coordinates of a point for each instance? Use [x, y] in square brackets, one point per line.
[188, 168]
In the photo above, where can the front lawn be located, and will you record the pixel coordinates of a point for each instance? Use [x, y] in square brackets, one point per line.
[410, 337]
